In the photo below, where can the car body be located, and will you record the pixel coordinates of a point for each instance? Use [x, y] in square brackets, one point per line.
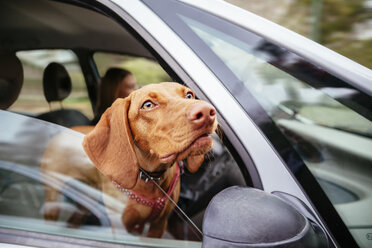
[295, 116]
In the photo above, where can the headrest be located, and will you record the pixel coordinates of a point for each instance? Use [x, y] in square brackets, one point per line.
[56, 82]
[11, 79]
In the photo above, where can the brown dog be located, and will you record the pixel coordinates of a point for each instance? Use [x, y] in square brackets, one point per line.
[144, 136]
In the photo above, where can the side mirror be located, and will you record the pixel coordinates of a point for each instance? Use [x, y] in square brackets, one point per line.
[247, 217]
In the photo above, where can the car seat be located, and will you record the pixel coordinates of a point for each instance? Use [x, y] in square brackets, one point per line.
[11, 78]
[57, 87]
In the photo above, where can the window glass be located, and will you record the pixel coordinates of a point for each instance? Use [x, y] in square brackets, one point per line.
[48, 185]
[32, 100]
[325, 120]
[334, 141]
[145, 70]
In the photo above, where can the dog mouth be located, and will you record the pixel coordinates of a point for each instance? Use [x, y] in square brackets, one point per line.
[201, 141]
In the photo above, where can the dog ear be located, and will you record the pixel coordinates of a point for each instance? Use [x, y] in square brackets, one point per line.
[194, 162]
[110, 145]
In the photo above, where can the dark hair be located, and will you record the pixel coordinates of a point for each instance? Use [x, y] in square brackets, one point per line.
[107, 89]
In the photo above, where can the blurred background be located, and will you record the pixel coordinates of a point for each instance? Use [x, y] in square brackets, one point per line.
[344, 26]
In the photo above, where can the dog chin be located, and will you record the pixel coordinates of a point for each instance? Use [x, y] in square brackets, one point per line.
[199, 146]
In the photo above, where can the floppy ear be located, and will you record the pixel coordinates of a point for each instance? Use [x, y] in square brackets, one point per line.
[194, 162]
[110, 145]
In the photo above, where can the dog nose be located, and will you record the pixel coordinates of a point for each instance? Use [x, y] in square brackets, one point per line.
[201, 114]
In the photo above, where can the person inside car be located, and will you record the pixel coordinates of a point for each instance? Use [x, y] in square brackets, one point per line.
[116, 83]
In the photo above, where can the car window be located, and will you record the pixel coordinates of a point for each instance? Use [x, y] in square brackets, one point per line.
[42, 197]
[145, 70]
[32, 100]
[333, 140]
[325, 121]
[24, 184]
[47, 185]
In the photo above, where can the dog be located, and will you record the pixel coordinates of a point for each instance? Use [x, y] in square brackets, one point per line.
[140, 146]
[140, 143]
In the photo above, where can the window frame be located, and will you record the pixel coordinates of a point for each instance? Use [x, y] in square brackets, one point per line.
[35, 239]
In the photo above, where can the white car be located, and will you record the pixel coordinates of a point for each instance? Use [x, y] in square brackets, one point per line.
[295, 120]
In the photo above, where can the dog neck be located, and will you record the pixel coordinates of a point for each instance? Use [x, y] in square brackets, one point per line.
[153, 189]
[151, 169]
[153, 176]
[157, 204]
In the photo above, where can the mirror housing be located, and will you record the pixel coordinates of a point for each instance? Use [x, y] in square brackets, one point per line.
[248, 217]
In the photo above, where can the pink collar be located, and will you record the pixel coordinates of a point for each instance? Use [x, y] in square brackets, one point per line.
[158, 203]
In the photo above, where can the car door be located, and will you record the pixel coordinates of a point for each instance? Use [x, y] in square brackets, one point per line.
[184, 45]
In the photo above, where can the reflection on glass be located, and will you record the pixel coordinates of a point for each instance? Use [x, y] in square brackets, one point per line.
[328, 128]
[62, 193]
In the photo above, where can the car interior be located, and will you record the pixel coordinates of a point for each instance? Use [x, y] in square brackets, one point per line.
[57, 86]
[11, 78]
[48, 73]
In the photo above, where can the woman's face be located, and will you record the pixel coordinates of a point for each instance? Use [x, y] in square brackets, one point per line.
[126, 86]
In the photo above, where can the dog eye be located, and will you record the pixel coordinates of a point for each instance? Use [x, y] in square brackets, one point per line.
[148, 105]
[189, 95]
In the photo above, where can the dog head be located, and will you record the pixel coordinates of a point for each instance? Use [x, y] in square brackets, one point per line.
[153, 127]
